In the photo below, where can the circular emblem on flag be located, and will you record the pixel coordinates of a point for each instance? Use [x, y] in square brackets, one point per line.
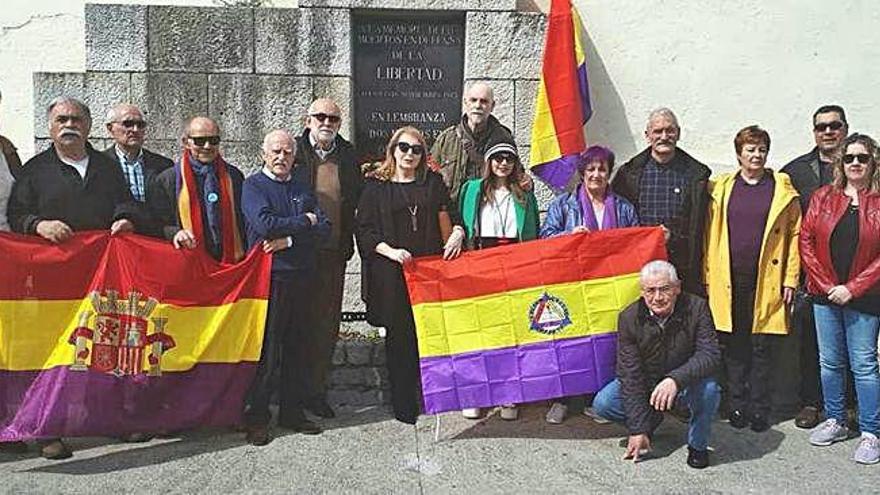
[548, 315]
[213, 197]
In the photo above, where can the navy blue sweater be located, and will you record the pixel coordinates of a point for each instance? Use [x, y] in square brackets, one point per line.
[273, 210]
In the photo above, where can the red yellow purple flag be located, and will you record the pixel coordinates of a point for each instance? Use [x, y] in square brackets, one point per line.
[525, 322]
[562, 105]
[108, 335]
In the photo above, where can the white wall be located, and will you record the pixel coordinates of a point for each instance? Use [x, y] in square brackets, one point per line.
[721, 65]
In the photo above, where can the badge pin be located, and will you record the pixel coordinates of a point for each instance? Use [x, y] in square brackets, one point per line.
[677, 190]
[213, 197]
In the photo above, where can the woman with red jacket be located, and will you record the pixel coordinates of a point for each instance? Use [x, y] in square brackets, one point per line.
[840, 250]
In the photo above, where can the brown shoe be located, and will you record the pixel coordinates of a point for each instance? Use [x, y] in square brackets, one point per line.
[136, 437]
[257, 435]
[808, 417]
[55, 450]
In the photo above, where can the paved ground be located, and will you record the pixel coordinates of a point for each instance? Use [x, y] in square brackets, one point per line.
[365, 451]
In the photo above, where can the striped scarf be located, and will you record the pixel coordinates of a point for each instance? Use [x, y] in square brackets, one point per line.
[189, 207]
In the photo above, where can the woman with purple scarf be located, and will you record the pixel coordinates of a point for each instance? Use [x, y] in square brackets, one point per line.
[591, 206]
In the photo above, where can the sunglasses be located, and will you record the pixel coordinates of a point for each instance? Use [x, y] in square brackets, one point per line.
[201, 140]
[131, 124]
[417, 149]
[834, 126]
[504, 157]
[321, 117]
[862, 158]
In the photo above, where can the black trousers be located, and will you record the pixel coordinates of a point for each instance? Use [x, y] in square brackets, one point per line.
[326, 316]
[748, 359]
[402, 360]
[284, 360]
[810, 390]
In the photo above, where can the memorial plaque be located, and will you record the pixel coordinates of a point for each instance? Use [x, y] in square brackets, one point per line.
[408, 70]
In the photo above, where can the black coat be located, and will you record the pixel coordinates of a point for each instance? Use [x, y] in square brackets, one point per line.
[154, 164]
[351, 182]
[49, 189]
[382, 286]
[162, 201]
[685, 247]
[804, 177]
[686, 351]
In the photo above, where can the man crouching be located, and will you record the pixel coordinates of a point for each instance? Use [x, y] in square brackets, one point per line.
[666, 350]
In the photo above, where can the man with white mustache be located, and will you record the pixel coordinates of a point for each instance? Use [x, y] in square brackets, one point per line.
[459, 150]
[68, 188]
[668, 187]
[283, 217]
[326, 164]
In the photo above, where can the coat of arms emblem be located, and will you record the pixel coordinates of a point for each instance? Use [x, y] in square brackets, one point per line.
[120, 337]
[548, 315]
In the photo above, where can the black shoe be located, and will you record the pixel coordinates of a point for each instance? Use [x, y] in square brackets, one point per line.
[13, 448]
[697, 459]
[808, 418]
[55, 450]
[759, 423]
[320, 408]
[738, 419]
[257, 435]
[301, 425]
[136, 437]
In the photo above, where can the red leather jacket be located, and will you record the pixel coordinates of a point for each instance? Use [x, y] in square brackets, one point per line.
[827, 207]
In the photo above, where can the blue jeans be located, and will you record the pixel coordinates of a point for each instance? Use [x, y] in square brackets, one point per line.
[846, 334]
[702, 399]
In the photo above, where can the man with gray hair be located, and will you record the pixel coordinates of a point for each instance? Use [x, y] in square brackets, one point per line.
[667, 350]
[126, 124]
[70, 187]
[668, 187]
[325, 162]
[283, 217]
[459, 150]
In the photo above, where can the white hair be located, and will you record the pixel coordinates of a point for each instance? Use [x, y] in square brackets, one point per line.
[73, 101]
[477, 84]
[659, 267]
[664, 113]
[278, 133]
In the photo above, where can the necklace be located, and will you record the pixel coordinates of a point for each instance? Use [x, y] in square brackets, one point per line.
[501, 214]
[413, 210]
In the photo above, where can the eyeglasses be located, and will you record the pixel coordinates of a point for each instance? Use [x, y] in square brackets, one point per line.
[132, 123]
[201, 140]
[862, 158]
[417, 149]
[826, 126]
[321, 117]
[503, 157]
[655, 291]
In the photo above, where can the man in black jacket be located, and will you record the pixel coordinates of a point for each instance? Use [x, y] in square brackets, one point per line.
[127, 126]
[326, 164]
[667, 350]
[810, 172]
[668, 188]
[68, 188]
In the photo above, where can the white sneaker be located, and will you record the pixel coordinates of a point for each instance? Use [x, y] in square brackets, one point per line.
[828, 432]
[590, 413]
[471, 413]
[868, 451]
[509, 412]
[556, 414]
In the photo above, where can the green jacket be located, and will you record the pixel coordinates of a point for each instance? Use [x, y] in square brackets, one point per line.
[469, 206]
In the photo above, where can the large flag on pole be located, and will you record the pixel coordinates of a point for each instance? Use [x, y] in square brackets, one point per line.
[525, 322]
[562, 105]
[108, 335]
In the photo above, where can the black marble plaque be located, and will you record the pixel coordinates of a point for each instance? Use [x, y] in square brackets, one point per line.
[408, 70]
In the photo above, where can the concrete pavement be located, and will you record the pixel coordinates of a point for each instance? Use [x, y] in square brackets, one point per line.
[366, 451]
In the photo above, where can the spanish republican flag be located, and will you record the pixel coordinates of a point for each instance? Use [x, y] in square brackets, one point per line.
[525, 322]
[108, 335]
[562, 106]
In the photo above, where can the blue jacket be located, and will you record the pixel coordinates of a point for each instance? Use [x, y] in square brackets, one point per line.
[564, 214]
[273, 210]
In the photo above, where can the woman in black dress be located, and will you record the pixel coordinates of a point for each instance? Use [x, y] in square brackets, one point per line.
[399, 217]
